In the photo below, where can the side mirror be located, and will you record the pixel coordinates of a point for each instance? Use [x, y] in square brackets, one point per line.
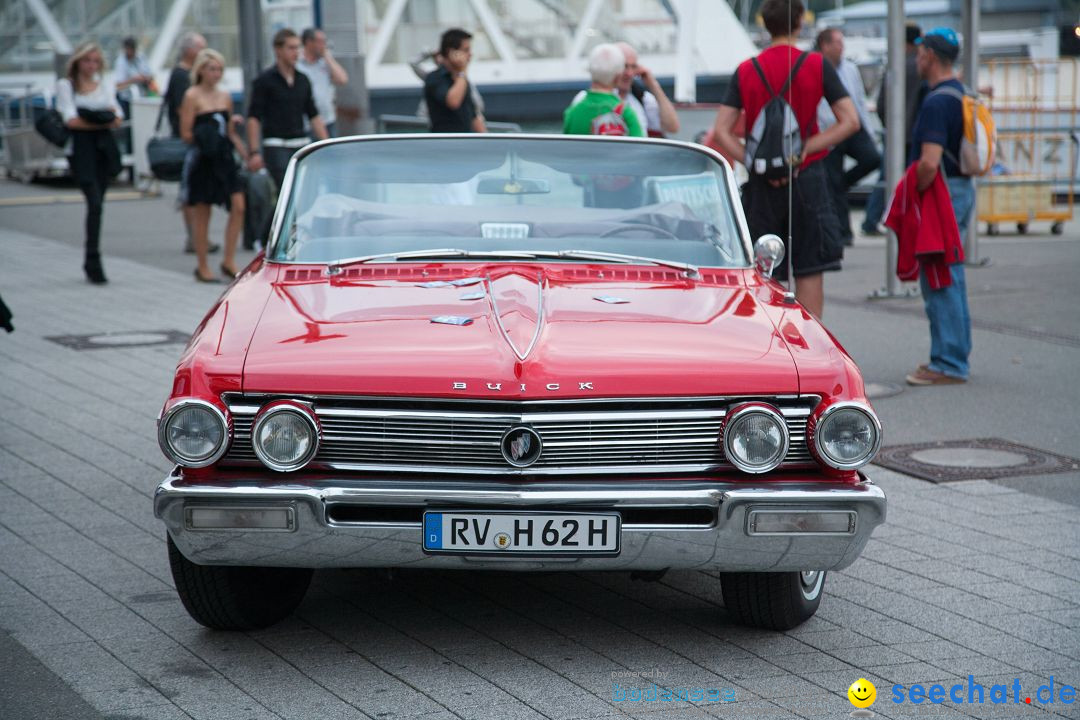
[768, 252]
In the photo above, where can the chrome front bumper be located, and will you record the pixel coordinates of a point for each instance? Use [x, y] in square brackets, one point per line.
[317, 540]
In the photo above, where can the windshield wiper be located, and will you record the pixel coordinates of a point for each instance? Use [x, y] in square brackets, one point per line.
[335, 267]
[691, 270]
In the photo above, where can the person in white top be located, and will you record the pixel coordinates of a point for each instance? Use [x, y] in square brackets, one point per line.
[650, 103]
[87, 103]
[861, 145]
[318, 63]
[132, 71]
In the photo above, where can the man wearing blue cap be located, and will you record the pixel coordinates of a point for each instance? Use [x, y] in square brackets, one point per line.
[935, 146]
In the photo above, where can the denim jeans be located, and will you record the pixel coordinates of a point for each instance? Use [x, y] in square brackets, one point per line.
[875, 208]
[947, 308]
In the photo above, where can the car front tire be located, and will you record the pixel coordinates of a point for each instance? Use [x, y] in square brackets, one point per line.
[772, 601]
[223, 597]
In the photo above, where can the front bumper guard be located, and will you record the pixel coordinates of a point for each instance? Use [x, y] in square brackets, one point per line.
[315, 540]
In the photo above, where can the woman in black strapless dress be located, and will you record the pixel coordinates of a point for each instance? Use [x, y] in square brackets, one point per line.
[210, 170]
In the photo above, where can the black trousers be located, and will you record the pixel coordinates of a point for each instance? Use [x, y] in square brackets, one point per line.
[93, 174]
[276, 160]
[861, 147]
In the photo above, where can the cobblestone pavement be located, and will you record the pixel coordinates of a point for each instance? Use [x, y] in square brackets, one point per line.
[967, 578]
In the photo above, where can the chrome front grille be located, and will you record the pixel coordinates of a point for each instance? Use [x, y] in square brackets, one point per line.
[589, 437]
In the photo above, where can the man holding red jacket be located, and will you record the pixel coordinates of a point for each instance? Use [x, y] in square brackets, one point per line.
[935, 147]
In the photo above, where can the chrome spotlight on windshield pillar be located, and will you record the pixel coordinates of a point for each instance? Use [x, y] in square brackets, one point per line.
[768, 252]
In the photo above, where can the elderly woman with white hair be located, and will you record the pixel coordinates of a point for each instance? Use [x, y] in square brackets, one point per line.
[601, 111]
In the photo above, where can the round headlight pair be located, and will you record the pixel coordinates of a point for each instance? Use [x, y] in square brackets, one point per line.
[285, 436]
[755, 437]
[194, 433]
[845, 436]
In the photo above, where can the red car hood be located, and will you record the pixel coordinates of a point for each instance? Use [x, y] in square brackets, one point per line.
[532, 332]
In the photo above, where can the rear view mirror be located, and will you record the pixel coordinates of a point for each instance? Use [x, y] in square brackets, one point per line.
[512, 186]
[768, 252]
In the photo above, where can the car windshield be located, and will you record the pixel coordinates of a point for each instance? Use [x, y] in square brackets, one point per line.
[491, 197]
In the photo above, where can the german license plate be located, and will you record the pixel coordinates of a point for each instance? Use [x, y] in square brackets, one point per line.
[497, 532]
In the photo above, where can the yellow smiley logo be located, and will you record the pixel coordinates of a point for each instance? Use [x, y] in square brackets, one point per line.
[862, 693]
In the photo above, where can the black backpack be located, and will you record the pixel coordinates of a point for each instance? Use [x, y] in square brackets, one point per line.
[775, 141]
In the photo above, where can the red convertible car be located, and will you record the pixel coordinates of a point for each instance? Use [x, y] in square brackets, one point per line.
[520, 353]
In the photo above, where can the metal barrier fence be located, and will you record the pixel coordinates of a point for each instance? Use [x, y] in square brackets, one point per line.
[1035, 105]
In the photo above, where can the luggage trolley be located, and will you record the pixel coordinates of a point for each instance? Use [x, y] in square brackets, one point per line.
[26, 154]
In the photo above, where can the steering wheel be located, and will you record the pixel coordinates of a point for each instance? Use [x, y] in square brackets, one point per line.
[666, 234]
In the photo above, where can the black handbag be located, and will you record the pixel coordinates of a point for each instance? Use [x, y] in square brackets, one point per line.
[166, 154]
[50, 125]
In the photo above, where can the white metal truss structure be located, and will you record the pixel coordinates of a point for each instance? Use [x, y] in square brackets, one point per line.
[537, 41]
[517, 42]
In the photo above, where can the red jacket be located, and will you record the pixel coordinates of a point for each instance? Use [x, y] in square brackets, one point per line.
[926, 230]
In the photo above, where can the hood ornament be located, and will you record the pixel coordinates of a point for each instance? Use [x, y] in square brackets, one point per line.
[539, 317]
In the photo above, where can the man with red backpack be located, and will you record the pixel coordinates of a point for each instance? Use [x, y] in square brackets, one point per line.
[780, 90]
[601, 111]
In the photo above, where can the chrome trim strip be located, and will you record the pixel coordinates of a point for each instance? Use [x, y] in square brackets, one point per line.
[226, 434]
[539, 316]
[545, 471]
[725, 400]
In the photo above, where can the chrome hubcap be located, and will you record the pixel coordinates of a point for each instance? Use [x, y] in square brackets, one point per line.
[809, 578]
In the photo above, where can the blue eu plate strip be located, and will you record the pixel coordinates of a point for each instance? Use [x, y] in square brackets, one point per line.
[433, 531]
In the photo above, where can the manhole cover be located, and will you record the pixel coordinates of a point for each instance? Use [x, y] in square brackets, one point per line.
[878, 390]
[961, 457]
[979, 459]
[128, 339]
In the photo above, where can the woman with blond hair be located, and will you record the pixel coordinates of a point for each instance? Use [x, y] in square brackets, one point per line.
[211, 172]
[87, 103]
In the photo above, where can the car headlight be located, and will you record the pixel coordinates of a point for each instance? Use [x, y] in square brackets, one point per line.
[285, 436]
[846, 436]
[194, 433]
[755, 438]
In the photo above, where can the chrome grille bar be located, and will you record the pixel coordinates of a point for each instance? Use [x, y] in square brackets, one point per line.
[591, 437]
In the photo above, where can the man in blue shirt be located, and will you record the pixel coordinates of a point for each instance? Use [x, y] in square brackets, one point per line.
[935, 146]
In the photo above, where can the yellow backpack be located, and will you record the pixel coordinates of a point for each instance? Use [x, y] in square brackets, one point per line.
[979, 144]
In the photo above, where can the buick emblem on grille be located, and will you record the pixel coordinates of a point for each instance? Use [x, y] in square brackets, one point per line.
[521, 446]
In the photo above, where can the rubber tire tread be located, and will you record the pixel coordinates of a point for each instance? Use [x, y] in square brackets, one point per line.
[224, 597]
[767, 600]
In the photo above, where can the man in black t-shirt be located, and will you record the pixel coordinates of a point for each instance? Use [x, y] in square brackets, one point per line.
[446, 89]
[280, 98]
[180, 78]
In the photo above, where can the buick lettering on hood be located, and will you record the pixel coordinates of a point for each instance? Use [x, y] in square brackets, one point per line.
[523, 353]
